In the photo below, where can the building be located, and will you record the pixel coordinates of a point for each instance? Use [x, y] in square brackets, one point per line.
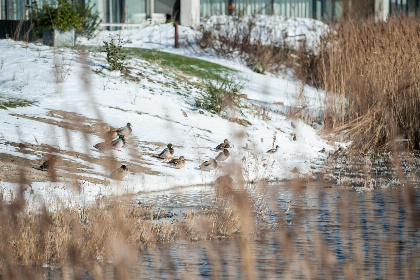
[142, 11]
[317, 9]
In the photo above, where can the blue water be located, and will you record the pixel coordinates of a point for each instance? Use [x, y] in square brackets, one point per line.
[322, 232]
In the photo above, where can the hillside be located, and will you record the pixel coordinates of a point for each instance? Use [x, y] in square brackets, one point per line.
[59, 101]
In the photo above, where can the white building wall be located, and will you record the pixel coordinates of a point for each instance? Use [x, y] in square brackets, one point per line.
[381, 9]
[190, 13]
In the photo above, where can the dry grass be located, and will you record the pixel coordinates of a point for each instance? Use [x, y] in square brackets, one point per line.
[101, 233]
[370, 72]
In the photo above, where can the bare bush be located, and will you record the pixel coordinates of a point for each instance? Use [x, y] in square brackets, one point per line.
[62, 68]
[240, 38]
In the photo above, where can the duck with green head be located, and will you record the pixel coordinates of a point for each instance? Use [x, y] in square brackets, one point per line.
[223, 145]
[125, 130]
[167, 153]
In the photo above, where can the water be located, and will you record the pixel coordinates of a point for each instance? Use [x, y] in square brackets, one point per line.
[314, 233]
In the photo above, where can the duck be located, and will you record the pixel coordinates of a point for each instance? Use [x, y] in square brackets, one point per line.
[44, 166]
[111, 134]
[49, 164]
[119, 173]
[125, 130]
[178, 163]
[167, 153]
[223, 145]
[119, 142]
[107, 145]
[103, 146]
[209, 165]
[222, 156]
[272, 151]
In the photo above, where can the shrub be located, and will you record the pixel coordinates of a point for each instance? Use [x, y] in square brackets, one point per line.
[220, 94]
[90, 19]
[66, 15]
[114, 54]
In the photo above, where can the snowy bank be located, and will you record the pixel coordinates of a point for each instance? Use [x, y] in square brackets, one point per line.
[71, 96]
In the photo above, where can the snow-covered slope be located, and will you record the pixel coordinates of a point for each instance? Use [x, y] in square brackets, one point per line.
[272, 29]
[75, 97]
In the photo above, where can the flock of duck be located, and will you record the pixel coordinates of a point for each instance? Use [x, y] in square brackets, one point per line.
[116, 139]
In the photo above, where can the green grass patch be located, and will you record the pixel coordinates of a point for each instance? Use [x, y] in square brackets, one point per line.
[11, 102]
[191, 66]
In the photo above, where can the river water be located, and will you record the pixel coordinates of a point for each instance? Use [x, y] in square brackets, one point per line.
[305, 232]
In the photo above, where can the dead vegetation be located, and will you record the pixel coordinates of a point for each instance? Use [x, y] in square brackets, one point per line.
[248, 232]
[370, 72]
[242, 38]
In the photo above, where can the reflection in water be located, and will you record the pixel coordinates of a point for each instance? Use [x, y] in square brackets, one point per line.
[316, 233]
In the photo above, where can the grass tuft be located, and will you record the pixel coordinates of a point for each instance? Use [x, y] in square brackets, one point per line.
[220, 94]
[11, 102]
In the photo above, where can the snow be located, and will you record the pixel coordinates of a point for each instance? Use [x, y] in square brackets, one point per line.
[62, 80]
[270, 29]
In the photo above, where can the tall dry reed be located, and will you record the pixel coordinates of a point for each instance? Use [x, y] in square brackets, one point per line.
[370, 72]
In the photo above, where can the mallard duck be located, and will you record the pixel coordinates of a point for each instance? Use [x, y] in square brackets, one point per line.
[178, 163]
[167, 153]
[111, 134]
[272, 151]
[119, 142]
[223, 145]
[116, 144]
[119, 173]
[208, 165]
[223, 155]
[125, 130]
[103, 146]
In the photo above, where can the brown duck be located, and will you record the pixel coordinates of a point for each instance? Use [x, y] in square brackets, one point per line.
[178, 163]
[116, 144]
[222, 156]
[120, 173]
